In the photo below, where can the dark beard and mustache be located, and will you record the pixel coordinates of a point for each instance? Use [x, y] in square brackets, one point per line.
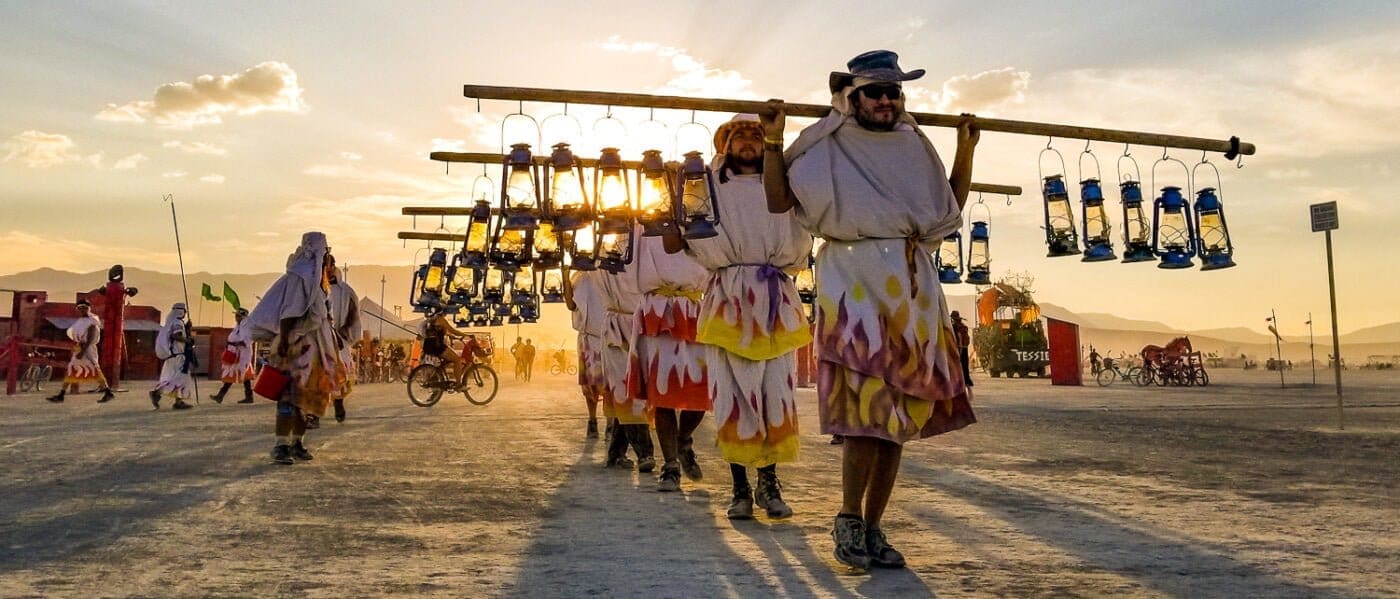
[734, 163]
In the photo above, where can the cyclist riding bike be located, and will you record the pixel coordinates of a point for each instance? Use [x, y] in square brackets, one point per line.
[436, 330]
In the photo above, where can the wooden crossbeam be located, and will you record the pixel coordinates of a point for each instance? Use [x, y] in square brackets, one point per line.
[1229, 147]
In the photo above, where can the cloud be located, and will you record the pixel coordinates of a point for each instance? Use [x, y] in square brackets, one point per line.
[382, 180]
[74, 255]
[270, 86]
[37, 149]
[1288, 174]
[130, 162]
[214, 178]
[449, 145]
[350, 156]
[174, 174]
[692, 76]
[196, 147]
[984, 90]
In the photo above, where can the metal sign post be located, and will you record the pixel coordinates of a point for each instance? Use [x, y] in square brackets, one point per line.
[1324, 218]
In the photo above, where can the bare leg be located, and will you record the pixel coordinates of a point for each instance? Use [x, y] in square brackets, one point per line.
[858, 457]
[882, 479]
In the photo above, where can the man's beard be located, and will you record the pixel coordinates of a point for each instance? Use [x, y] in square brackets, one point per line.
[868, 121]
[734, 163]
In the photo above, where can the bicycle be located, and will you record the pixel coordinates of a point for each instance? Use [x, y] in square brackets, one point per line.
[1111, 373]
[428, 381]
[36, 375]
[569, 369]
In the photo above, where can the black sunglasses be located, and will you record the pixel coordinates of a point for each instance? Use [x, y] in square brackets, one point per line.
[875, 92]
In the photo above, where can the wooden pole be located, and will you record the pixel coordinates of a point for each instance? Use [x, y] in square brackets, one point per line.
[1229, 147]
[1336, 344]
[489, 158]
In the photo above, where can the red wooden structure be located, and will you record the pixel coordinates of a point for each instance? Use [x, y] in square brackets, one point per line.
[1065, 368]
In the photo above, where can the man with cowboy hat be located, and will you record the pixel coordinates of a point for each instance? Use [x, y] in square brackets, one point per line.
[239, 369]
[751, 320]
[868, 181]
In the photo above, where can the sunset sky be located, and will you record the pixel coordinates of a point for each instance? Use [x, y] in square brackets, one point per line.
[268, 119]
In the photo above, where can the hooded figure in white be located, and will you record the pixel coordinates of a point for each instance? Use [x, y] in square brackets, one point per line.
[176, 380]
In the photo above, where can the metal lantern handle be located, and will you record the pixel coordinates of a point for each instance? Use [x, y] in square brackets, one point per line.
[610, 119]
[676, 139]
[985, 208]
[519, 114]
[1205, 161]
[1089, 151]
[568, 120]
[1137, 171]
[652, 124]
[1040, 160]
[1167, 158]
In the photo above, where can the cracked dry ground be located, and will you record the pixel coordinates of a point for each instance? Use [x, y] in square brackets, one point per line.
[1240, 489]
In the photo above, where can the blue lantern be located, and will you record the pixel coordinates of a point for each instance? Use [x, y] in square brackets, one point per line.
[551, 285]
[949, 258]
[566, 202]
[979, 258]
[614, 249]
[612, 195]
[520, 195]
[1060, 236]
[580, 245]
[1212, 234]
[696, 206]
[655, 195]
[1098, 233]
[1173, 238]
[1137, 242]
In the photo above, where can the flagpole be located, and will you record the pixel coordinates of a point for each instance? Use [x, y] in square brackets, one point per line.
[1312, 354]
[184, 285]
[1278, 344]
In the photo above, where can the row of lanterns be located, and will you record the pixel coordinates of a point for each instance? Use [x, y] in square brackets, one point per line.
[1173, 236]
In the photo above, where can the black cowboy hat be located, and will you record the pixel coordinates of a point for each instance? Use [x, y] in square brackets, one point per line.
[881, 65]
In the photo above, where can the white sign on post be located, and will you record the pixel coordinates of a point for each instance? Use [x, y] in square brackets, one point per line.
[1324, 216]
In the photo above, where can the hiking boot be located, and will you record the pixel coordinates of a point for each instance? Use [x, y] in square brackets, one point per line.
[299, 452]
[217, 397]
[313, 422]
[282, 454]
[838, 440]
[592, 429]
[769, 496]
[741, 507]
[670, 481]
[180, 405]
[56, 398]
[880, 552]
[618, 462]
[155, 398]
[690, 465]
[339, 410]
[107, 395]
[646, 465]
[849, 534]
[248, 399]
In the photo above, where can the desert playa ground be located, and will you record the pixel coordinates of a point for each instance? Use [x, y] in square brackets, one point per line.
[1240, 489]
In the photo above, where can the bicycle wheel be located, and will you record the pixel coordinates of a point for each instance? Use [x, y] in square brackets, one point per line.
[573, 370]
[45, 375]
[1204, 379]
[425, 385]
[1132, 375]
[479, 383]
[27, 382]
[1106, 377]
[1144, 377]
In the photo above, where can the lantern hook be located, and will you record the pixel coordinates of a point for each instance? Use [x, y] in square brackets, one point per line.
[1049, 141]
[1127, 150]
[1008, 199]
[1239, 161]
[985, 208]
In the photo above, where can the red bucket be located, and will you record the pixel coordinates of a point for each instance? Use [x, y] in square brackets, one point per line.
[230, 356]
[271, 383]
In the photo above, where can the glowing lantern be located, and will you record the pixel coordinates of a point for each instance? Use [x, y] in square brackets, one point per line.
[567, 201]
[511, 248]
[551, 285]
[429, 281]
[1098, 233]
[520, 197]
[547, 253]
[949, 258]
[979, 257]
[478, 241]
[614, 250]
[696, 205]
[654, 193]
[1212, 234]
[465, 281]
[493, 287]
[580, 245]
[1060, 236]
[1173, 239]
[1137, 244]
[614, 199]
[522, 285]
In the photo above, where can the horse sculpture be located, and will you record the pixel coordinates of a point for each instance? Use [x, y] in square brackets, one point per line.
[1157, 356]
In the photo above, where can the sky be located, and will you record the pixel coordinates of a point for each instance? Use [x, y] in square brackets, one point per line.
[267, 119]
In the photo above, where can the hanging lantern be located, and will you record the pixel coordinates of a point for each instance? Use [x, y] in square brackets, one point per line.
[493, 286]
[979, 257]
[1212, 234]
[522, 285]
[1060, 236]
[611, 193]
[476, 247]
[614, 250]
[463, 286]
[567, 201]
[1173, 239]
[654, 192]
[520, 196]
[696, 206]
[580, 244]
[547, 253]
[1098, 233]
[551, 285]
[429, 281]
[511, 248]
[1137, 243]
[949, 258]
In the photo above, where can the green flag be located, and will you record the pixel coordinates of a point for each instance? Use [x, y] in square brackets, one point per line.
[232, 297]
[208, 293]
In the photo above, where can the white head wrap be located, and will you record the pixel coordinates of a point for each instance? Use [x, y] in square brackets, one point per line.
[297, 293]
[842, 111]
